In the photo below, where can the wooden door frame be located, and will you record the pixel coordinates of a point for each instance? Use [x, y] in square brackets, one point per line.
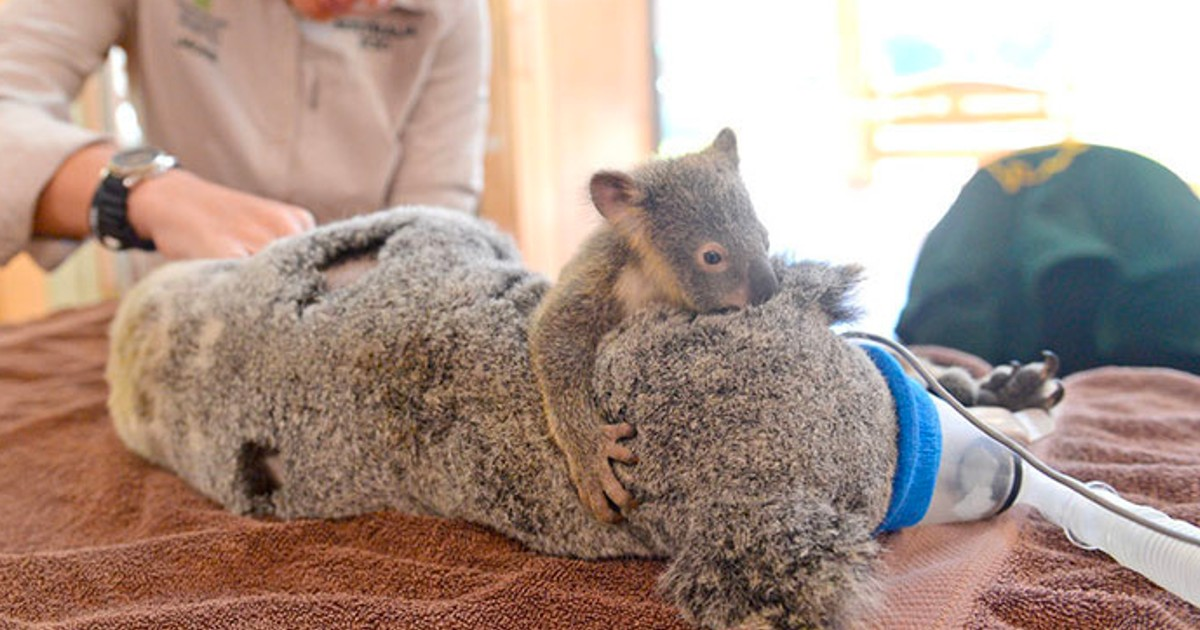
[572, 93]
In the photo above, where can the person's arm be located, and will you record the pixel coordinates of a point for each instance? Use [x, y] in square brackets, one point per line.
[62, 208]
[444, 140]
[52, 167]
[47, 49]
[185, 216]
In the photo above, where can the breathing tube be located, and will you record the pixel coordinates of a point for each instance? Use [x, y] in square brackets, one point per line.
[953, 467]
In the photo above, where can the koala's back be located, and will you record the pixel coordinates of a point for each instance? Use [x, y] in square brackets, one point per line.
[408, 388]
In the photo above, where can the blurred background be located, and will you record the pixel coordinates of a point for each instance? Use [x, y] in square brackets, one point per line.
[858, 120]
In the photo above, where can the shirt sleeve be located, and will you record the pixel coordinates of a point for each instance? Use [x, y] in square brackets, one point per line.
[48, 48]
[443, 143]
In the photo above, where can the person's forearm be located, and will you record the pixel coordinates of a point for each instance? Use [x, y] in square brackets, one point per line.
[63, 206]
[185, 215]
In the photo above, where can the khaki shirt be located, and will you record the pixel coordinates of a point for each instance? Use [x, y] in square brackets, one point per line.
[341, 118]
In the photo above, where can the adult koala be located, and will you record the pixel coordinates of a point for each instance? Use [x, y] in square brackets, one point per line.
[382, 363]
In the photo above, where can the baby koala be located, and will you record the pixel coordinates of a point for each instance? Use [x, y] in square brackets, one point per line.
[678, 231]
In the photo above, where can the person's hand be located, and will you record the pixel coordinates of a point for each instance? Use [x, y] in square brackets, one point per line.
[189, 217]
[322, 10]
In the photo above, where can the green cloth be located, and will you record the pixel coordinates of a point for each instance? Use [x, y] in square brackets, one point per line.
[1090, 251]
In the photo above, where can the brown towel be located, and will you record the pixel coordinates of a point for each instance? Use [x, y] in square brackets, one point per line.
[92, 536]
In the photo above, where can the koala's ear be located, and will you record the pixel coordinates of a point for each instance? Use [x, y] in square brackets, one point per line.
[726, 144]
[615, 195]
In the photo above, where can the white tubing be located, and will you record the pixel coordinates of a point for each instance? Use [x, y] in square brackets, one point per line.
[1169, 563]
[1164, 550]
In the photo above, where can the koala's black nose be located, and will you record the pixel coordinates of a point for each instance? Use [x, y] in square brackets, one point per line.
[763, 283]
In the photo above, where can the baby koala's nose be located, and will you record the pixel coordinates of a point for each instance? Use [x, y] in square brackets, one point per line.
[763, 283]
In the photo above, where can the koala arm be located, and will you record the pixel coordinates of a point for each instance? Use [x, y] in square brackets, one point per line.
[564, 335]
[1014, 386]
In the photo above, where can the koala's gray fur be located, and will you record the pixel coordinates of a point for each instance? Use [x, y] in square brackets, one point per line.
[767, 443]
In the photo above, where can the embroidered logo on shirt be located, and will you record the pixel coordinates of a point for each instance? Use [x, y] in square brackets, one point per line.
[202, 29]
[377, 34]
[1016, 175]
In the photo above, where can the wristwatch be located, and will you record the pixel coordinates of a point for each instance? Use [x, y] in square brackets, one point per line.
[109, 216]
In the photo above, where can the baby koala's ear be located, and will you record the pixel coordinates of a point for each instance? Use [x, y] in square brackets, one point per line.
[726, 144]
[616, 196]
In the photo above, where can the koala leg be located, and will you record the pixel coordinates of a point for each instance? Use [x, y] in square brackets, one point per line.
[785, 564]
[1014, 386]
[1018, 386]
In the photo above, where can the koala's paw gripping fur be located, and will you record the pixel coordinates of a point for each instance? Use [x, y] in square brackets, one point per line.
[597, 484]
[1019, 386]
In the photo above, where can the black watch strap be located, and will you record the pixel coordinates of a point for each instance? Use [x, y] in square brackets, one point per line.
[110, 217]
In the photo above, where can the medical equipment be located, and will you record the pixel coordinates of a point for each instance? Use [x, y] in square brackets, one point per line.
[981, 472]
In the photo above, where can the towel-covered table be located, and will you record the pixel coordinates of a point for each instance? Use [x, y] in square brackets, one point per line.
[93, 536]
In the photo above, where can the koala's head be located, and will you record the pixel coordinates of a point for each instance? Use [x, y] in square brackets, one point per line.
[690, 222]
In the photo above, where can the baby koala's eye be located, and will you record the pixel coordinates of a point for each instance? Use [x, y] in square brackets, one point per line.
[712, 257]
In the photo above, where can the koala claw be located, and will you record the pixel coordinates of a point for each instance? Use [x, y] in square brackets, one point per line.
[1019, 386]
[614, 450]
[1049, 364]
[598, 486]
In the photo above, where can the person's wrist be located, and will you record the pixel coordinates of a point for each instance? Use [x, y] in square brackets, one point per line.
[126, 172]
[144, 208]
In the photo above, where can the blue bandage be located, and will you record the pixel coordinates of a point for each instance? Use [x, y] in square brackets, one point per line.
[918, 444]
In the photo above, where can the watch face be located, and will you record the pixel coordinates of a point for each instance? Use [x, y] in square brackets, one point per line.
[135, 159]
[134, 165]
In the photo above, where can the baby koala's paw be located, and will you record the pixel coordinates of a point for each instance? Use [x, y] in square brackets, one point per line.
[593, 475]
[1018, 386]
